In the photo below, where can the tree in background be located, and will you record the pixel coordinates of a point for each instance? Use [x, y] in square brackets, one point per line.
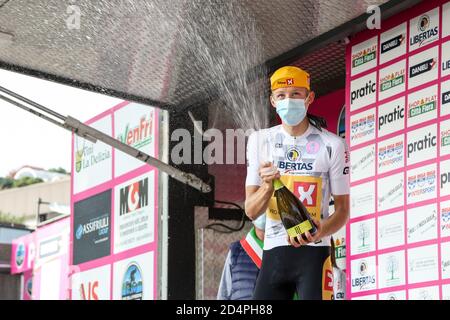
[8, 218]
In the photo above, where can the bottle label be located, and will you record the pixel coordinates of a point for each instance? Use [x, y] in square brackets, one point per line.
[300, 228]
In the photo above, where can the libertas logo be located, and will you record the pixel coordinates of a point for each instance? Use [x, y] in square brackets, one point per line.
[392, 43]
[446, 65]
[364, 279]
[366, 90]
[422, 67]
[134, 196]
[392, 80]
[364, 56]
[421, 106]
[397, 114]
[140, 135]
[423, 26]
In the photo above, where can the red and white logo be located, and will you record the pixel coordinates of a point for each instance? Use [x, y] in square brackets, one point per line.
[89, 291]
[290, 81]
[306, 192]
[328, 283]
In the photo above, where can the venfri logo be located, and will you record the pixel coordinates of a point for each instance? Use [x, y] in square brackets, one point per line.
[369, 88]
[396, 115]
[134, 196]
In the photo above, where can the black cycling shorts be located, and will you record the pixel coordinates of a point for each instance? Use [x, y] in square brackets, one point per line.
[285, 270]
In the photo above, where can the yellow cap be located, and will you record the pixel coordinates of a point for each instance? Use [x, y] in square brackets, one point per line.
[289, 76]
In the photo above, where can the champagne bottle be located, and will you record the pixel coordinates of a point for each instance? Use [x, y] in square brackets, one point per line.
[294, 215]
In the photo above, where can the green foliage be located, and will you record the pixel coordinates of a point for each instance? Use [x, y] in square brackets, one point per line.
[58, 170]
[26, 181]
[8, 218]
[6, 183]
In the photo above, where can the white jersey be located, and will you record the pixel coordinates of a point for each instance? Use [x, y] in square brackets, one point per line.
[313, 166]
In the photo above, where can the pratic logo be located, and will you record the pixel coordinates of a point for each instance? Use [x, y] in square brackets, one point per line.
[427, 142]
[99, 225]
[398, 114]
[363, 56]
[422, 67]
[369, 88]
[427, 32]
[89, 291]
[365, 125]
[421, 106]
[392, 80]
[134, 197]
[364, 280]
[393, 43]
[132, 284]
[307, 192]
[140, 135]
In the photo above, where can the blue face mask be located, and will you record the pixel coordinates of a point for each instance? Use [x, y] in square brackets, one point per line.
[260, 222]
[291, 111]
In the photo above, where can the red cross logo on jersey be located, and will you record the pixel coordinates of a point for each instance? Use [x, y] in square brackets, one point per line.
[290, 81]
[306, 192]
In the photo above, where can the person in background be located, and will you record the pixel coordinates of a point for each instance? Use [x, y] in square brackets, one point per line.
[242, 264]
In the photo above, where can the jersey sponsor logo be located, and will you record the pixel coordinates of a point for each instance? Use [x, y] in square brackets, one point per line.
[293, 163]
[312, 147]
[293, 154]
[306, 192]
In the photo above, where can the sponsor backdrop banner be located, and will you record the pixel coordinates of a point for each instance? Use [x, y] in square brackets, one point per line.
[115, 203]
[398, 130]
[43, 257]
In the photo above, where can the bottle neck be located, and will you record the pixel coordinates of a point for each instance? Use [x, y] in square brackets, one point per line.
[277, 184]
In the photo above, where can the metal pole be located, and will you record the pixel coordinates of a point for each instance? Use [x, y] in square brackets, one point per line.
[92, 134]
